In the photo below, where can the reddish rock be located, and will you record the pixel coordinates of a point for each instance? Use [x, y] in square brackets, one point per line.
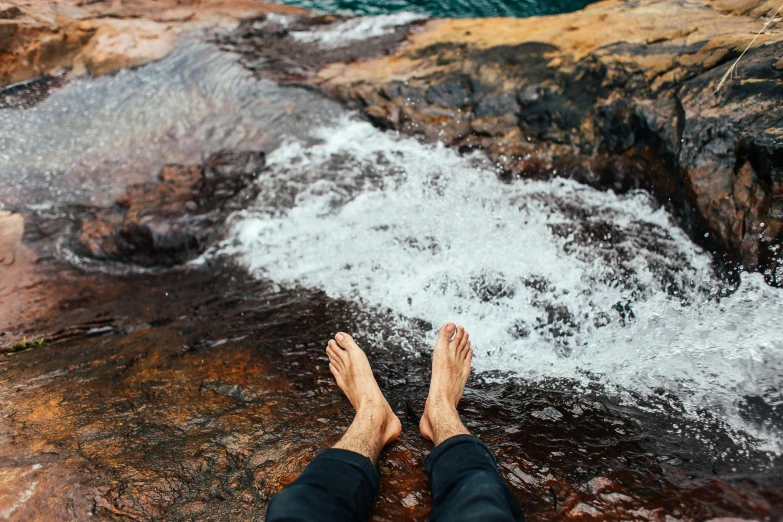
[172, 220]
[39, 38]
[9, 12]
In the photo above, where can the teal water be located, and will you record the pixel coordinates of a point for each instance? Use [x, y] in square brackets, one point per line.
[445, 8]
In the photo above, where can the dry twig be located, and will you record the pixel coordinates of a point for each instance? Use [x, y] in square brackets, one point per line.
[733, 67]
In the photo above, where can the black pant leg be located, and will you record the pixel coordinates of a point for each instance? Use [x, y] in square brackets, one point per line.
[337, 486]
[466, 485]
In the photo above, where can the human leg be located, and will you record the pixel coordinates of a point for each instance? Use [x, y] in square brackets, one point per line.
[341, 482]
[463, 474]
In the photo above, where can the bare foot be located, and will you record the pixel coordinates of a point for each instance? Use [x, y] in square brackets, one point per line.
[450, 371]
[375, 424]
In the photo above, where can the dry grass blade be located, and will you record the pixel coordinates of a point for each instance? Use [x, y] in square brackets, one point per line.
[734, 65]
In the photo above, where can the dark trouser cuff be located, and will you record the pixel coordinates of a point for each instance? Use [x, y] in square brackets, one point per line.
[450, 443]
[466, 485]
[337, 486]
[356, 460]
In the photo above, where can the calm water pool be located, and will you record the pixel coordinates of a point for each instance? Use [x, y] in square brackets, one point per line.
[446, 8]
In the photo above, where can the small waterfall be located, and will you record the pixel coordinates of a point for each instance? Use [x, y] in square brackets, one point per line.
[553, 279]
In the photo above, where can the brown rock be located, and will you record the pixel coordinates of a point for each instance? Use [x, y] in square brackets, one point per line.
[629, 106]
[17, 264]
[94, 235]
[174, 15]
[172, 220]
[126, 44]
[9, 12]
[752, 203]
[51, 36]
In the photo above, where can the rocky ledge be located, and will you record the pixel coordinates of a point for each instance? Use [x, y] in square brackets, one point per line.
[199, 393]
[99, 37]
[620, 96]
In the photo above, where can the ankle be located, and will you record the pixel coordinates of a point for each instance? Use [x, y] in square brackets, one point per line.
[376, 415]
[443, 401]
[448, 431]
[371, 409]
[444, 421]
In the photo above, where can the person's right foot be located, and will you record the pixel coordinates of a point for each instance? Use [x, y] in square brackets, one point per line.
[351, 369]
[450, 371]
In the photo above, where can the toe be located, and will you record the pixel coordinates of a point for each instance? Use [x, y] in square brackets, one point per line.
[346, 341]
[463, 342]
[446, 331]
[466, 350]
[462, 349]
[337, 374]
[454, 344]
[335, 347]
[469, 357]
[334, 356]
[338, 352]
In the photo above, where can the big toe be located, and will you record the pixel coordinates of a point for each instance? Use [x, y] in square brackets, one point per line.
[445, 332]
[346, 341]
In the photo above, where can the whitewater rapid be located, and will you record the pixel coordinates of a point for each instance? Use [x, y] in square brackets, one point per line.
[553, 279]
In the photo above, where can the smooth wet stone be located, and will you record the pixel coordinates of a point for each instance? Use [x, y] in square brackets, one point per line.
[175, 219]
[199, 393]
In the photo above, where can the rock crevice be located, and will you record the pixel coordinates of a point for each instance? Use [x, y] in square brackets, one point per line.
[174, 219]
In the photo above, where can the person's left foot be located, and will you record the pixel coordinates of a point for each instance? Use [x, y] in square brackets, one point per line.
[351, 369]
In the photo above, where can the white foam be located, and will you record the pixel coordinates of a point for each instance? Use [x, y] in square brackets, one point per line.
[552, 278]
[358, 28]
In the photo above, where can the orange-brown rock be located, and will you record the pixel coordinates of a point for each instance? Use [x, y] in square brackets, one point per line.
[17, 263]
[48, 37]
[619, 95]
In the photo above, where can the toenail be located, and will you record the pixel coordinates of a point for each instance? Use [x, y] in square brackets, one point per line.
[450, 328]
[339, 337]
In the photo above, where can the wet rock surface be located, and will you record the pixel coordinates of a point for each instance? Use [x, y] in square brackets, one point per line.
[292, 50]
[199, 393]
[629, 106]
[28, 94]
[173, 220]
[47, 38]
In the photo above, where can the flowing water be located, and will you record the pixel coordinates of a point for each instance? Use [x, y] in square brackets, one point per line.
[563, 287]
[130, 124]
[553, 279]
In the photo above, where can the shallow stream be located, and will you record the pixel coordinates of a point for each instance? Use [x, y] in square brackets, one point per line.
[578, 301]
